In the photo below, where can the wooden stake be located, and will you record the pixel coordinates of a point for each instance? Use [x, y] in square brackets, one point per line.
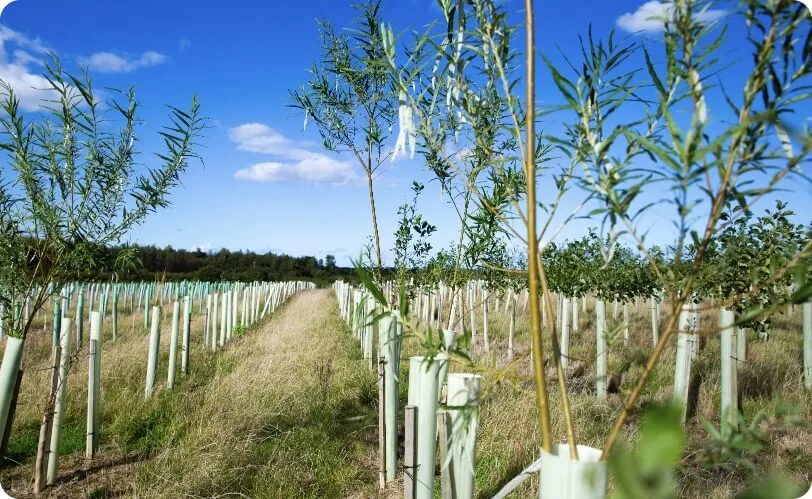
[409, 453]
[446, 476]
[381, 426]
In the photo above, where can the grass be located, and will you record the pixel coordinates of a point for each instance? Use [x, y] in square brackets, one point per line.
[769, 382]
[278, 411]
[131, 428]
[288, 409]
[294, 418]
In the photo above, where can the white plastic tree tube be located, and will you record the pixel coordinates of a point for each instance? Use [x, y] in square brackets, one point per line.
[234, 302]
[223, 317]
[729, 405]
[207, 321]
[257, 297]
[148, 296]
[463, 398]
[427, 383]
[93, 384]
[244, 308]
[485, 340]
[807, 345]
[626, 333]
[449, 337]
[511, 302]
[472, 311]
[391, 387]
[213, 321]
[80, 305]
[414, 380]
[741, 344]
[59, 406]
[187, 326]
[356, 315]
[602, 352]
[440, 305]
[369, 331]
[173, 345]
[686, 351]
[229, 313]
[12, 358]
[103, 302]
[565, 478]
[152, 357]
[655, 321]
[114, 312]
[565, 332]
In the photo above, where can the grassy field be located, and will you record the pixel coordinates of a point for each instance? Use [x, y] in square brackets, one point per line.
[289, 410]
[769, 382]
[286, 410]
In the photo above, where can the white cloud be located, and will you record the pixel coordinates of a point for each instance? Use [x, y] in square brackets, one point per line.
[257, 137]
[317, 169]
[295, 163]
[23, 58]
[108, 62]
[183, 44]
[33, 44]
[205, 247]
[29, 86]
[648, 17]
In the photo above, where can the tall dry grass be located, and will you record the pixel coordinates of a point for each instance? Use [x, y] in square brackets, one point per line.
[769, 381]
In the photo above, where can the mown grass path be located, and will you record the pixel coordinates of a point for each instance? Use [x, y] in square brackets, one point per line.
[293, 418]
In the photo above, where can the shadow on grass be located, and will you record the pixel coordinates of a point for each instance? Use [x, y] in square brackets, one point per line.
[98, 466]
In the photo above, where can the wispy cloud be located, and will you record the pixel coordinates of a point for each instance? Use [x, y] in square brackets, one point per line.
[32, 44]
[20, 72]
[23, 58]
[293, 162]
[183, 44]
[108, 62]
[648, 18]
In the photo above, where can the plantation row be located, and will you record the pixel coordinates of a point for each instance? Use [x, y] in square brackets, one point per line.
[223, 310]
[445, 322]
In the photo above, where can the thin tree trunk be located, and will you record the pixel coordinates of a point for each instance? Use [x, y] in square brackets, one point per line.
[374, 218]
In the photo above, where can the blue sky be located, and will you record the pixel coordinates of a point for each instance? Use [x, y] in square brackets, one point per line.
[241, 58]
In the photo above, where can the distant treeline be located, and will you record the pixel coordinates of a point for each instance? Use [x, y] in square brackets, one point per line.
[150, 262]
